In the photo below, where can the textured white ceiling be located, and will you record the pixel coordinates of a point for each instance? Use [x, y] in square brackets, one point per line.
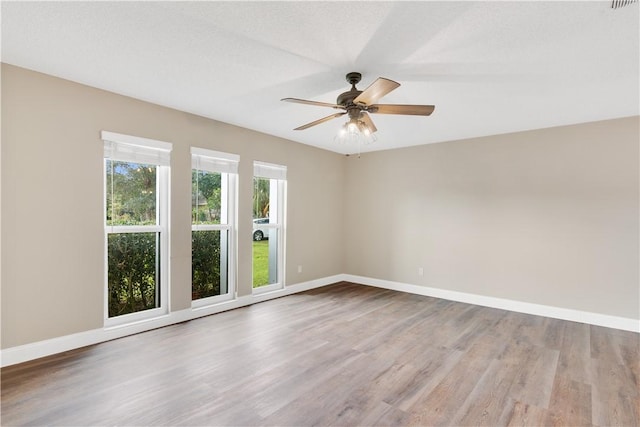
[489, 67]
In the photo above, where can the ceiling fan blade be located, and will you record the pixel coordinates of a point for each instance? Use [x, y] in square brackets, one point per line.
[366, 119]
[304, 101]
[411, 110]
[322, 120]
[375, 91]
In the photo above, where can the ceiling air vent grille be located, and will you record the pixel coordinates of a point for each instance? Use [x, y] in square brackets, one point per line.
[615, 4]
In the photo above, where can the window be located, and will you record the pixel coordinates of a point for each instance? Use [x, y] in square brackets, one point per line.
[213, 195]
[136, 172]
[269, 192]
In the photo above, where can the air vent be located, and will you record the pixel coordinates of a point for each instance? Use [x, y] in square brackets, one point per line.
[615, 4]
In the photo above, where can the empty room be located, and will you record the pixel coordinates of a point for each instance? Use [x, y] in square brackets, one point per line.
[320, 213]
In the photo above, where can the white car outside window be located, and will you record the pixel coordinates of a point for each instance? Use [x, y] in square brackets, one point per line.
[260, 233]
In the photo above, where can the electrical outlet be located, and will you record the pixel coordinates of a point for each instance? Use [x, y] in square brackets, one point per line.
[420, 271]
[299, 269]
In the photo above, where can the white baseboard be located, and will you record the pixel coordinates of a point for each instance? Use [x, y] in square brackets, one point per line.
[598, 319]
[36, 350]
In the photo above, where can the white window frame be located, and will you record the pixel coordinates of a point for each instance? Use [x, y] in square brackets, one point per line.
[119, 147]
[227, 165]
[277, 220]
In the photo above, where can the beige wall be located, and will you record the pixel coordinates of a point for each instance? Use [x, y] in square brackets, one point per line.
[52, 219]
[548, 216]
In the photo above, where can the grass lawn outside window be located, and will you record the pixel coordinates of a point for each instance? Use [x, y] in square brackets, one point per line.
[260, 263]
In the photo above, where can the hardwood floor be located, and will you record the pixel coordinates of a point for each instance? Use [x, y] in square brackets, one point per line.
[344, 354]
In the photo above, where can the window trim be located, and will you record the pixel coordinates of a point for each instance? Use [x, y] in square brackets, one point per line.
[226, 164]
[279, 174]
[118, 147]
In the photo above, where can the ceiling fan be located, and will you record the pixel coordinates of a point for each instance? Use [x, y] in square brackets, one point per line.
[359, 103]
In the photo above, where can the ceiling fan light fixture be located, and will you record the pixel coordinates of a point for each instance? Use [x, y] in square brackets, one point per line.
[356, 132]
[357, 104]
[363, 128]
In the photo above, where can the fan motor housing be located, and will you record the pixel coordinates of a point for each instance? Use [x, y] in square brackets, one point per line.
[346, 98]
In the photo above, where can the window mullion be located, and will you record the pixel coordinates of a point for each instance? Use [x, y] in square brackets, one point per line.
[113, 229]
[206, 227]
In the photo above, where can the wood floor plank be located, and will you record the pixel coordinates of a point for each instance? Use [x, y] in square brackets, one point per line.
[614, 396]
[552, 333]
[630, 352]
[570, 403]
[385, 415]
[525, 415]
[604, 344]
[441, 404]
[489, 399]
[534, 370]
[429, 371]
[326, 407]
[344, 355]
[575, 352]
